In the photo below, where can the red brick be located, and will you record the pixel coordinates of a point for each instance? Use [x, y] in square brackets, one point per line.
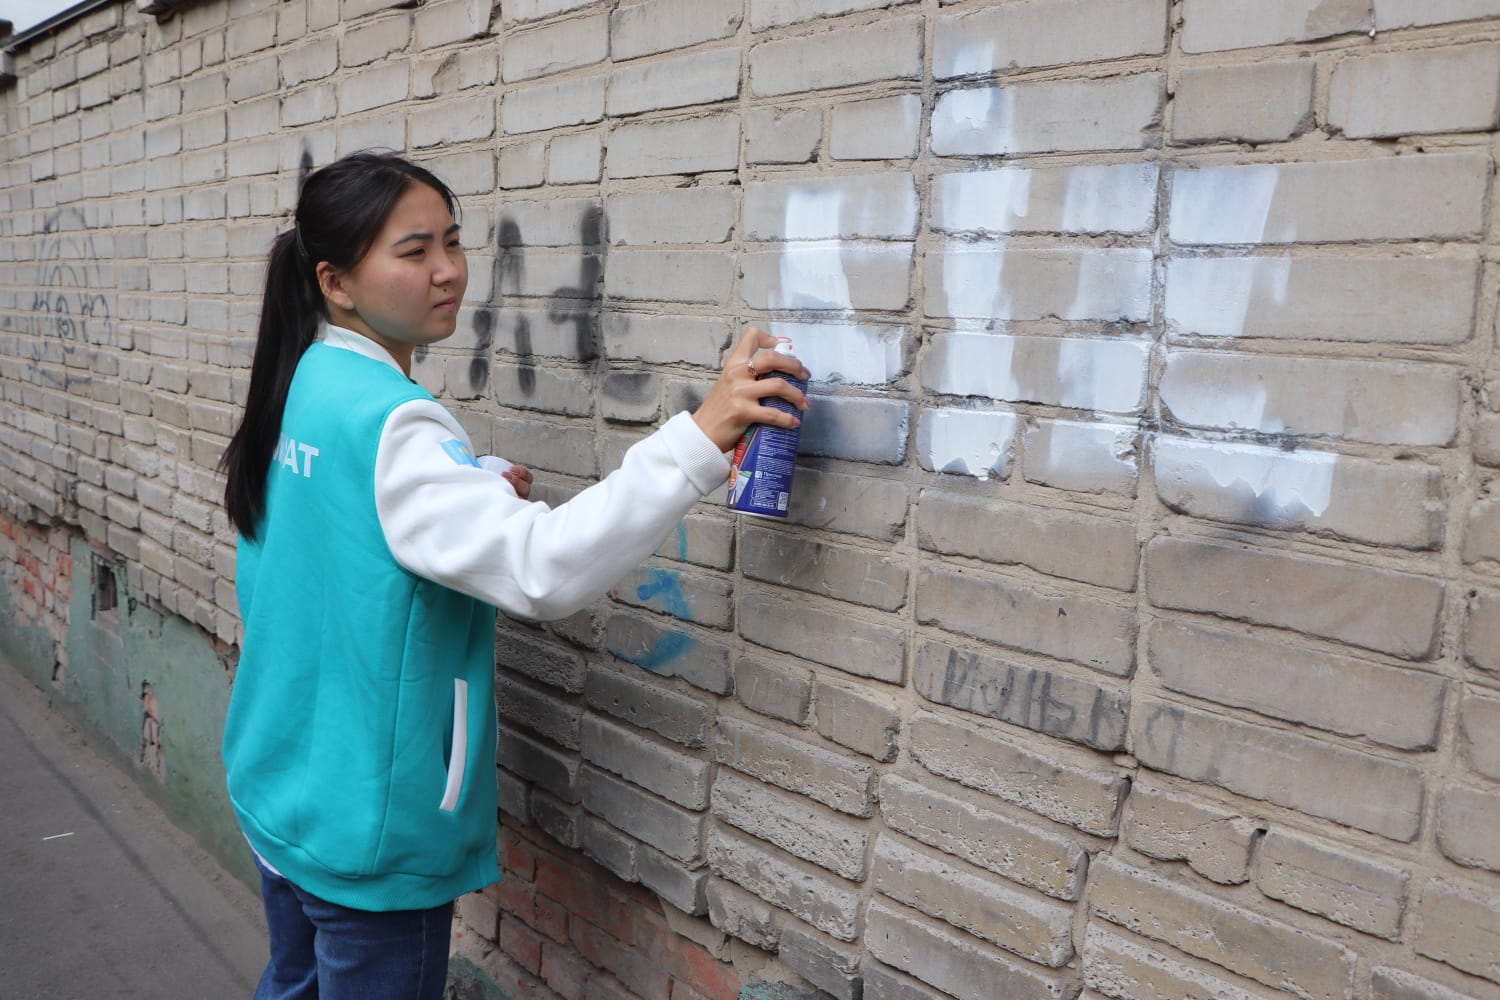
[686, 961]
[565, 972]
[636, 970]
[514, 897]
[522, 944]
[582, 894]
[551, 919]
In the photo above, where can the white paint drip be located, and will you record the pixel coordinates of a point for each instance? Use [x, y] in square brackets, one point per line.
[974, 443]
[839, 352]
[1293, 483]
[1211, 296]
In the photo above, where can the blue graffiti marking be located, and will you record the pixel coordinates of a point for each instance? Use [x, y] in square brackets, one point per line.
[664, 584]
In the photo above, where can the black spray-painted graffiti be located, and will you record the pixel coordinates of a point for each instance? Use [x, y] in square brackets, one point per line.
[70, 308]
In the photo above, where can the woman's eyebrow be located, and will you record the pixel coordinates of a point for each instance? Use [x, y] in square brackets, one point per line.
[425, 236]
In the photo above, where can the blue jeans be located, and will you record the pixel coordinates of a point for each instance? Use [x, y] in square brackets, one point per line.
[322, 950]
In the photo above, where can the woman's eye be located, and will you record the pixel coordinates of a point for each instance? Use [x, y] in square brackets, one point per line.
[414, 253]
[454, 245]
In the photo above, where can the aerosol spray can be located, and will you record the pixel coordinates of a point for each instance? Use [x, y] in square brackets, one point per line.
[760, 483]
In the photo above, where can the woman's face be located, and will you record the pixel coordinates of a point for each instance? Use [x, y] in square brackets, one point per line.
[407, 289]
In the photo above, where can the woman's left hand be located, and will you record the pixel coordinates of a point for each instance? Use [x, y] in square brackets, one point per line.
[519, 478]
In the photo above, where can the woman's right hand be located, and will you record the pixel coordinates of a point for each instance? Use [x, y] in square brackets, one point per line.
[733, 404]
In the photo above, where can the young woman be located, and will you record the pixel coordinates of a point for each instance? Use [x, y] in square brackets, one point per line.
[374, 549]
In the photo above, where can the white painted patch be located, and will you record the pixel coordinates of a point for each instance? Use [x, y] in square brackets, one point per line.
[812, 277]
[974, 282]
[983, 200]
[1282, 484]
[1224, 205]
[840, 352]
[977, 121]
[1107, 375]
[1083, 456]
[973, 57]
[1080, 373]
[812, 213]
[1211, 297]
[974, 443]
[1112, 199]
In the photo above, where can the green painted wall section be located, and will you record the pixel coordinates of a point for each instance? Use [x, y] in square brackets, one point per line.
[111, 656]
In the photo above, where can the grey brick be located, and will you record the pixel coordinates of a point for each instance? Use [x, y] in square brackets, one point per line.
[693, 146]
[888, 49]
[675, 776]
[1395, 613]
[847, 574]
[675, 82]
[884, 983]
[664, 339]
[1048, 701]
[454, 122]
[800, 829]
[1027, 617]
[689, 215]
[1256, 102]
[1056, 542]
[830, 966]
[1435, 196]
[1482, 532]
[523, 165]
[825, 901]
[1392, 94]
[796, 276]
[443, 23]
[1213, 25]
[692, 597]
[540, 660]
[1215, 842]
[675, 832]
[1205, 389]
[833, 779]
[1122, 967]
[670, 276]
[534, 10]
[1482, 631]
[1399, 708]
[1034, 928]
[609, 847]
[1111, 198]
[1461, 927]
[1396, 984]
[649, 705]
[1022, 852]
[365, 43]
[1346, 889]
[539, 711]
[866, 206]
[1283, 768]
[992, 281]
[1050, 116]
[743, 914]
[832, 637]
[540, 763]
[1479, 733]
[563, 45]
[882, 129]
[779, 13]
[1088, 797]
[1244, 942]
[1467, 821]
[680, 886]
[773, 689]
[1391, 14]
[643, 29]
[557, 819]
[953, 962]
[1027, 34]
[669, 652]
[866, 722]
[856, 429]
[537, 108]
[1085, 457]
[634, 397]
[782, 135]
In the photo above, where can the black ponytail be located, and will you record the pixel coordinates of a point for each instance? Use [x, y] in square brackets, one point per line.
[339, 213]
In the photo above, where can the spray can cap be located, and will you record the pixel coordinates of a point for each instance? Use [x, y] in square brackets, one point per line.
[784, 346]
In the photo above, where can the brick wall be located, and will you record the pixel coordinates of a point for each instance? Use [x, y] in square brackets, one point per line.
[1134, 630]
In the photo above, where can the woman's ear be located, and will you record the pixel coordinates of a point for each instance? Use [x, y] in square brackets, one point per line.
[330, 282]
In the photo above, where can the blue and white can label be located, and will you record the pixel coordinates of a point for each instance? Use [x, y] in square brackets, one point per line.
[765, 460]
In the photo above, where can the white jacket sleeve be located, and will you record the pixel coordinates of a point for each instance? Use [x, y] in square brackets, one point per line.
[451, 521]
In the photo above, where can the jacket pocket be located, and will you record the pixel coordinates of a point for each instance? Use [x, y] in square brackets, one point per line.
[458, 752]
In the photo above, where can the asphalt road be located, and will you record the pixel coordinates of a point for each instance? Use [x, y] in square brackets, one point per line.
[101, 897]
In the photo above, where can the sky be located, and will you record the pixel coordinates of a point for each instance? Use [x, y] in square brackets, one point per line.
[28, 13]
